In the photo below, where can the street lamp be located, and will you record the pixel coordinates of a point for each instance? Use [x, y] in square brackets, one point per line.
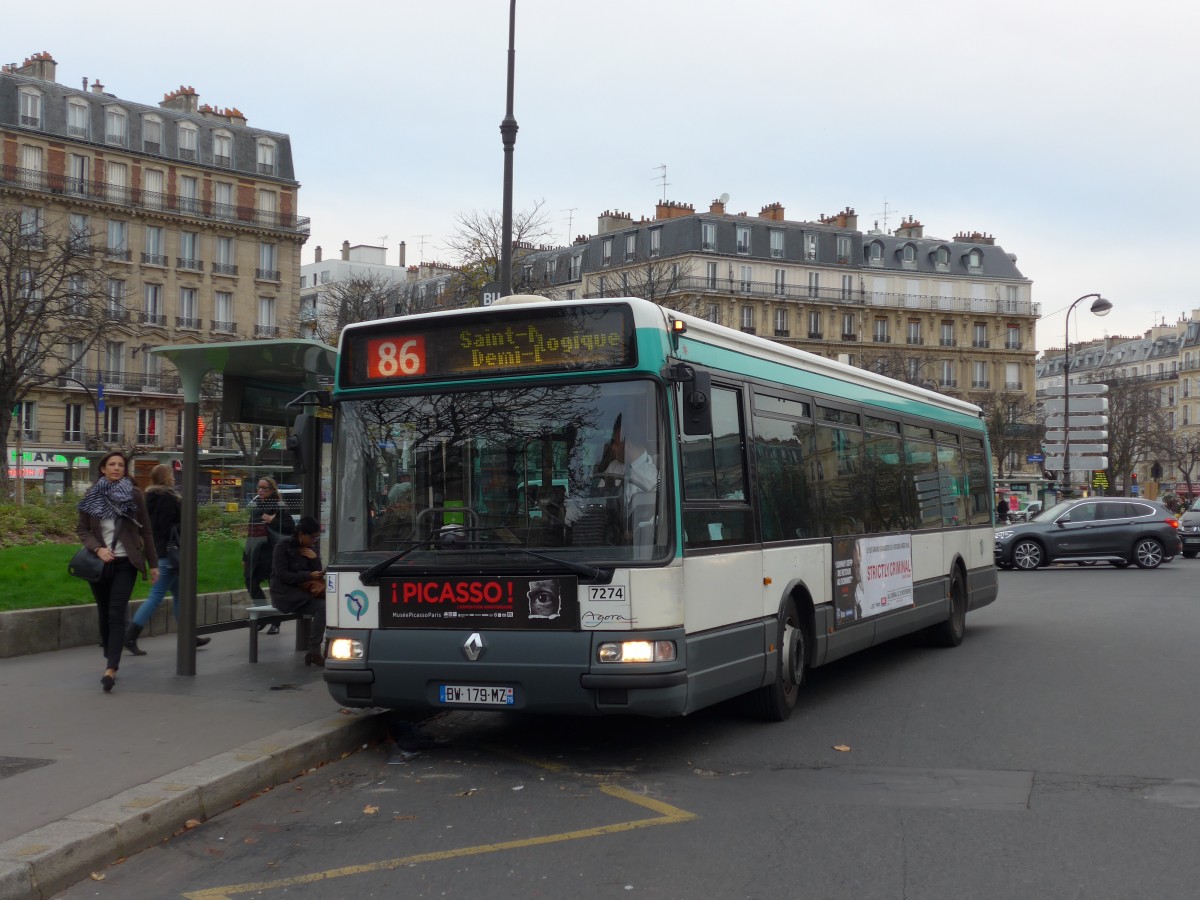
[1100, 307]
[508, 136]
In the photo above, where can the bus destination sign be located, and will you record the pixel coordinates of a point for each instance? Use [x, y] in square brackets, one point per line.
[503, 341]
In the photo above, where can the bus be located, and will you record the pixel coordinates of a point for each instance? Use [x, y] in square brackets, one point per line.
[723, 512]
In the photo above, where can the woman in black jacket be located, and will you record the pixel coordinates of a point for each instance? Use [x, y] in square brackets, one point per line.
[114, 524]
[298, 583]
[165, 509]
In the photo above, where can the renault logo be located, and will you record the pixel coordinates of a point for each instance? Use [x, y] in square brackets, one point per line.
[473, 646]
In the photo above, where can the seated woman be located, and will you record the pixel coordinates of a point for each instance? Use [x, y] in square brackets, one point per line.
[298, 582]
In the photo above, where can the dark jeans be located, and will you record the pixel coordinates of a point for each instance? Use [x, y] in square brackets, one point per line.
[315, 607]
[112, 594]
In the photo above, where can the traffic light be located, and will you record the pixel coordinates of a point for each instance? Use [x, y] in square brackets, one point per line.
[1133, 477]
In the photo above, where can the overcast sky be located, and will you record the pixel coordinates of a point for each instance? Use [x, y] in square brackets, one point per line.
[1066, 129]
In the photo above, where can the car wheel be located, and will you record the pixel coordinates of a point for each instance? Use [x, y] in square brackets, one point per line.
[1027, 555]
[1189, 554]
[1148, 553]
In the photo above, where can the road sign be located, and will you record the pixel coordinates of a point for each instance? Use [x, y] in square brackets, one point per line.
[1078, 404]
[1035, 458]
[1080, 390]
[1078, 448]
[1078, 420]
[1078, 463]
[1055, 435]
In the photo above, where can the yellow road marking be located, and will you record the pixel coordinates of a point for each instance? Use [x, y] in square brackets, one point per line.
[667, 815]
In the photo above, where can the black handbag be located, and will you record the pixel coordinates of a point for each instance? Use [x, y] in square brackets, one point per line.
[86, 565]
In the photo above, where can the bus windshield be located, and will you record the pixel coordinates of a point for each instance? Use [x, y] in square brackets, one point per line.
[575, 471]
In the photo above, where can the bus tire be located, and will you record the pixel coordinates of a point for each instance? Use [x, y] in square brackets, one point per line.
[950, 632]
[775, 701]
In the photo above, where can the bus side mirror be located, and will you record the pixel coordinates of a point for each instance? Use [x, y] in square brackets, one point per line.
[697, 404]
[301, 441]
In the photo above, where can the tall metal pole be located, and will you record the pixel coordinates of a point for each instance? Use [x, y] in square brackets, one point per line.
[508, 134]
[1100, 307]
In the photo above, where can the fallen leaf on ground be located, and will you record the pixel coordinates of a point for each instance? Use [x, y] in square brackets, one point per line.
[97, 876]
[841, 748]
[192, 823]
[370, 810]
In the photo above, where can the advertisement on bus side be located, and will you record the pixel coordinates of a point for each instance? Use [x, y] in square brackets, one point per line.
[871, 576]
[480, 601]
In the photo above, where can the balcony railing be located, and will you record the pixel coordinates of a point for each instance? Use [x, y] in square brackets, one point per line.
[115, 380]
[118, 255]
[224, 269]
[72, 437]
[782, 332]
[266, 274]
[28, 434]
[981, 384]
[154, 259]
[224, 327]
[1012, 345]
[703, 284]
[196, 265]
[916, 341]
[185, 322]
[136, 198]
[948, 342]
[981, 344]
[1012, 385]
[881, 338]
[948, 382]
[815, 335]
[849, 336]
[149, 318]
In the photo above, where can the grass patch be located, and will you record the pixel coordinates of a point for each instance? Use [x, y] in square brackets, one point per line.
[36, 575]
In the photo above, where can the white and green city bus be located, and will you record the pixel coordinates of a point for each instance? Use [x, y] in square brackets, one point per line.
[606, 507]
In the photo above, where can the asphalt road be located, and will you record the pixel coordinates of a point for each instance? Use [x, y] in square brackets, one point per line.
[1055, 754]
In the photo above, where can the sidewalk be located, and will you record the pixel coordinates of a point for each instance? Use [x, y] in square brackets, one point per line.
[87, 777]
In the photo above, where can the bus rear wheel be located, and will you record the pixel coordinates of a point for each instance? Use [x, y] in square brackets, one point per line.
[775, 702]
[950, 632]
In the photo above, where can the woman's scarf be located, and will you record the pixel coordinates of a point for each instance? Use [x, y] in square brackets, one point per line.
[109, 499]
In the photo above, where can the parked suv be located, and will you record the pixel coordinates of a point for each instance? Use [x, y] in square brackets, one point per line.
[1189, 532]
[1115, 530]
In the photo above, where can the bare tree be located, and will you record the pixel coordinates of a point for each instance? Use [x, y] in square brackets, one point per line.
[1182, 450]
[357, 299]
[52, 296]
[1012, 423]
[1137, 425]
[657, 280]
[478, 240]
[894, 362]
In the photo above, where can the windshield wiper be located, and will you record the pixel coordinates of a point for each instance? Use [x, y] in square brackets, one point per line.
[371, 575]
[583, 570]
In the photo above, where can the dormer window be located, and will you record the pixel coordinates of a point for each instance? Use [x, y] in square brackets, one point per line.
[31, 107]
[941, 259]
[908, 256]
[875, 253]
[78, 119]
[266, 157]
[189, 140]
[116, 126]
[222, 148]
[152, 134]
[975, 261]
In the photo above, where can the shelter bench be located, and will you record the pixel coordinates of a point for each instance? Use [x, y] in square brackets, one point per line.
[262, 615]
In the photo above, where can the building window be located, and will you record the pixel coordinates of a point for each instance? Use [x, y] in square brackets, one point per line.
[655, 241]
[947, 378]
[814, 284]
[574, 268]
[266, 263]
[31, 226]
[847, 289]
[781, 321]
[153, 188]
[78, 119]
[112, 425]
[780, 282]
[31, 107]
[880, 334]
[115, 293]
[189, 250]
[118, 239]
[843, 248]
[223, 312]
[152, 313]
[188, 316]
[710, 275]
[875, 254]
[708, 236]
[941, 259]
[748, 319]
[810, 246]
[152, 135]
[743, 240]
[222, 149]
[80, 234]
[947, 339]
[849, 332]
[266, 157]
[975, 261]
[914, 332]
[267, 205]
[154, 253]
[224, 264]
[25, 420]
[908, 256]
[1012, 340]
[606, 247]
[630, 247]
[223, 200]
[713, 313]
[77, 173]
[980, 335]
[114, 362]
[117, 176]
[73, 422]
[116, 126]
[149, 426]
[776, 244]
[189, 140]
[266, 317]
[814, 324]
[189, 194]
[979, 375]
[747, 278]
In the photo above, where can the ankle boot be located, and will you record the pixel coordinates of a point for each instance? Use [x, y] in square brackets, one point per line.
[131, 636]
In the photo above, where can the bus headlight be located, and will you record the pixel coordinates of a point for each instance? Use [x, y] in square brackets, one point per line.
[637, 651]
[345, 648]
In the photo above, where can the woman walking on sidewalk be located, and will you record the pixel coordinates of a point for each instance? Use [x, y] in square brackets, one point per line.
[113, 524]
[165, 509]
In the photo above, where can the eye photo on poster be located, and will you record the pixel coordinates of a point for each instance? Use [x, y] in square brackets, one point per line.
[871, 576]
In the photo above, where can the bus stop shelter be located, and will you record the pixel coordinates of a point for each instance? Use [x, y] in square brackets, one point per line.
[262, 382]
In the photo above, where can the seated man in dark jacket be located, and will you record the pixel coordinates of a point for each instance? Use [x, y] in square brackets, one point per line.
[298, 582]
